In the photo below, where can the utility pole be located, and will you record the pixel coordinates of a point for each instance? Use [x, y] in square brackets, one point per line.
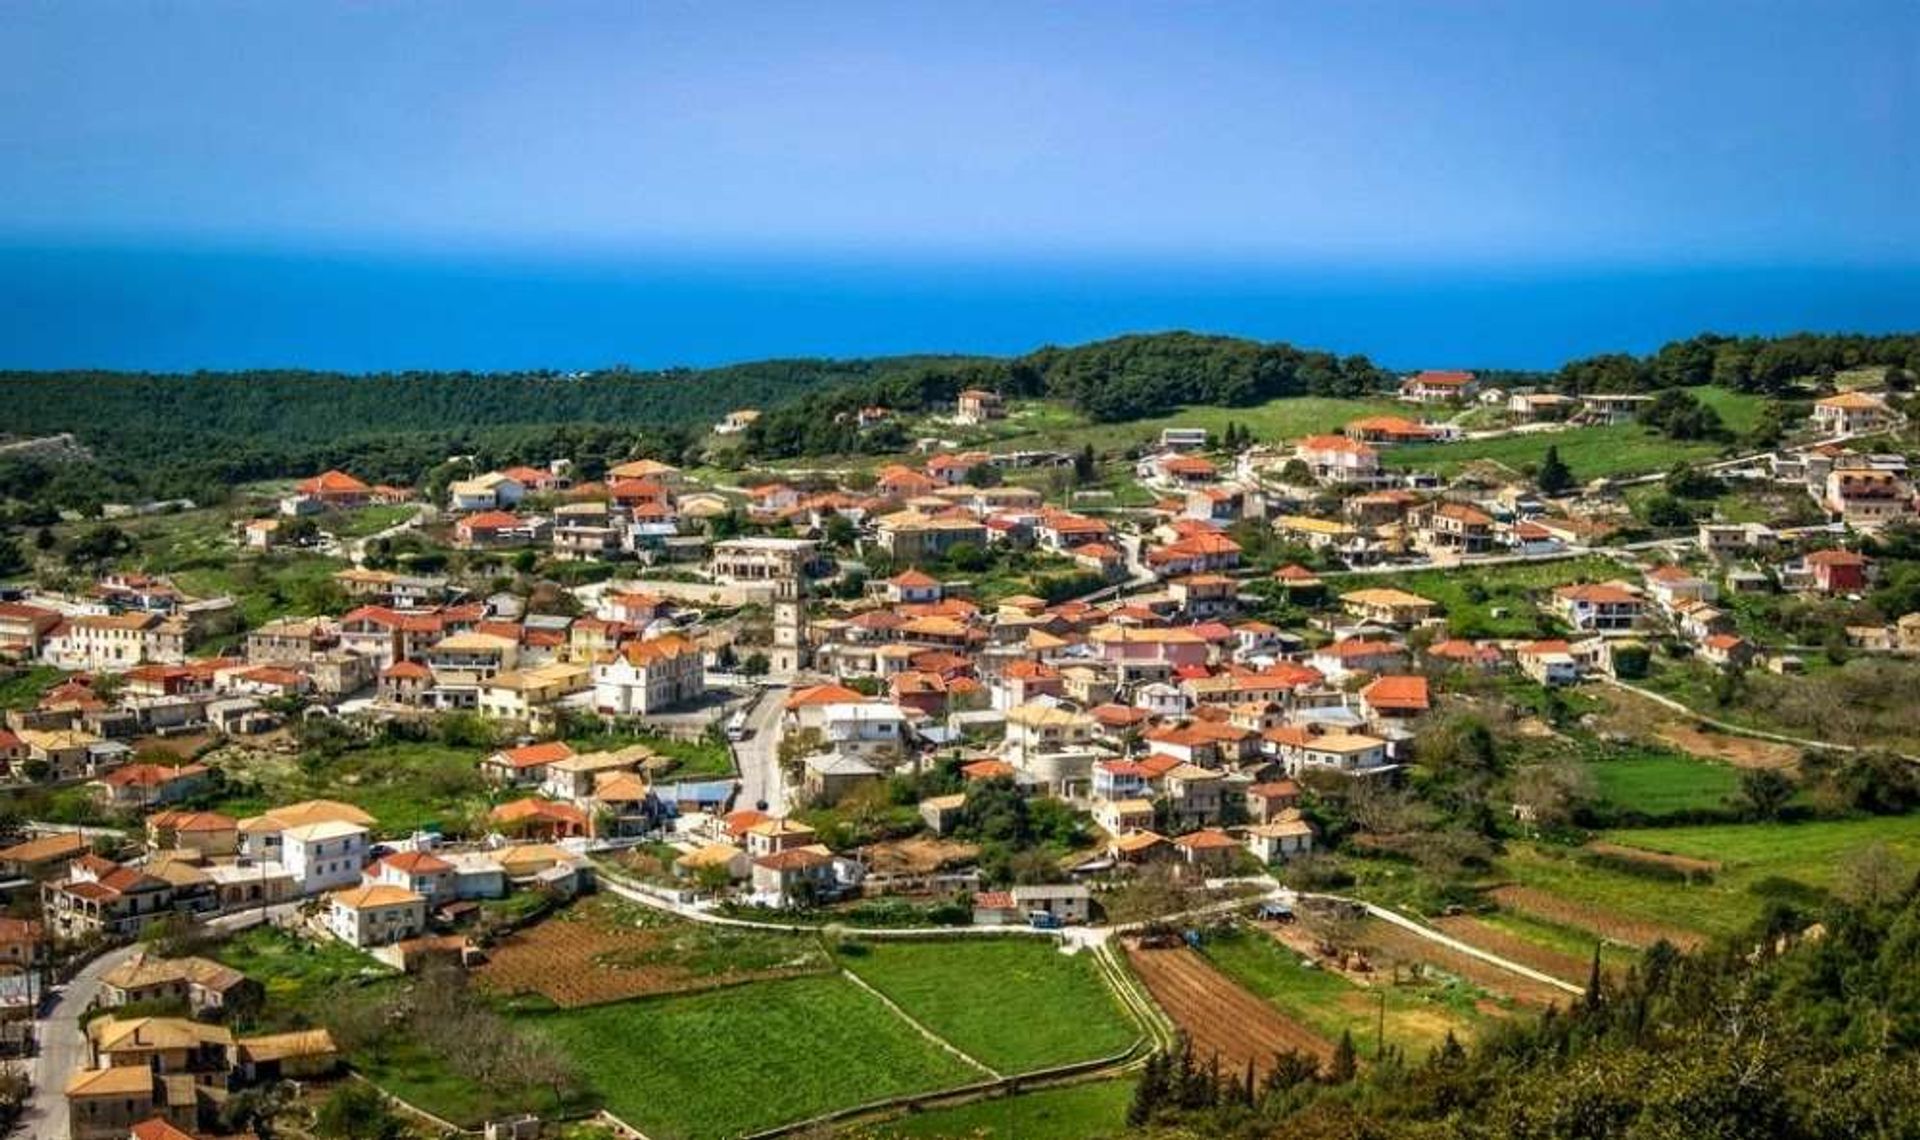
[1380, 1029]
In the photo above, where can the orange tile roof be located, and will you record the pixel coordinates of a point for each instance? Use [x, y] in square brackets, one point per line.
[1397, 692]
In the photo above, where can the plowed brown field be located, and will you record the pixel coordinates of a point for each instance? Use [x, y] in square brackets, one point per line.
[1491, 938]
[1385, 942]
[584, 957]
[1217, 1015]
[1607, 924]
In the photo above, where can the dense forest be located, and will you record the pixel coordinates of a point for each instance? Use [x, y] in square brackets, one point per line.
[1772, 365]
[1807, 1028]
[159, 436]
[1126, 378]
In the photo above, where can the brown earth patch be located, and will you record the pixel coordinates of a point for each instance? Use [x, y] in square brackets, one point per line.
[919, 855]
[586, 956]
[1391, 945]
[1218, 1016]
[1488, 937]
[1620, 928]
[1632, 715]
[1681, 863]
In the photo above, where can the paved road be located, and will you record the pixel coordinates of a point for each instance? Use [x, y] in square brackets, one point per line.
[63, 1050]
[759, 755]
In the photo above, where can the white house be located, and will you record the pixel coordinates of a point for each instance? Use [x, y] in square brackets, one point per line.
[1280, 839]
[642, 677]
[323, 856]
[1850, 413]
[376, 915]
[866, 728]
[492, 491]
[422, 872]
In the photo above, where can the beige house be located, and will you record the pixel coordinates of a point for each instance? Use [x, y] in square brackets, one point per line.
[1386, 606]
[375, 915]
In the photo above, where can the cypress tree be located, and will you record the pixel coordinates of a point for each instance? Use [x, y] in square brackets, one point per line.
[1555, 477]
[1346, 1063]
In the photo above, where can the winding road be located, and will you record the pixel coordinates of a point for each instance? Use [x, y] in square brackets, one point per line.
[63, 1048]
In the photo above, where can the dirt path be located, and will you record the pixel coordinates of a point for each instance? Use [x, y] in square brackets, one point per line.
[1218, 1016]
[1633, 714]
[1387, 944]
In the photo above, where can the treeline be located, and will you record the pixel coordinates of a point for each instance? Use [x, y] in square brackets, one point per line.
[1771, 365]
[1126, 378]
[131, 465]
[157, 435]
[1805, 1028]
[173, 435]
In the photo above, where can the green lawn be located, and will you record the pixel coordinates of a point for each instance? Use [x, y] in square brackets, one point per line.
[265, 587]
[1589, 452]
[1418, 1014]
[1815, 853]
[1015, 1004]
[23, 690]
[365, 520]
[1076, 1112]
[737, 1060]
[1470, 598]
[1657, 782]
[1738, 410]
[404, 785]
[1760, 861]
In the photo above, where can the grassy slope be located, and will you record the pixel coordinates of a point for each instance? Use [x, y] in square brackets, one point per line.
[300, 978]
[1815, 853]
[1759, 861]
[1590, 452]
[1016, 1004]
[1660, 783]
[737, 1060]
[1470, 599]
[403, 785]
[1071, 1113]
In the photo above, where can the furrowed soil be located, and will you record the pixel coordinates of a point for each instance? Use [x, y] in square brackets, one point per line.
[591, 954]
[1607, 924]
[1217, 1015]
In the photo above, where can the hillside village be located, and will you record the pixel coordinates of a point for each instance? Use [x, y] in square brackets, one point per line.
[1045, 690]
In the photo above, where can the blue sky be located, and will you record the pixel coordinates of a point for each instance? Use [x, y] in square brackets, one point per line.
[1396, 133]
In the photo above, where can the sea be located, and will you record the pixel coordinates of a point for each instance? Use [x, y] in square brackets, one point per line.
[362, 311]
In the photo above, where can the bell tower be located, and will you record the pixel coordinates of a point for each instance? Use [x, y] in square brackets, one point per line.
[789, 625]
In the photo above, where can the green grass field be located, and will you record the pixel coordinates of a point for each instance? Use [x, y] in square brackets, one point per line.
[265, 588]
[1076, 1112]
[366, 520]
[1057, 428]
[23, 690]
[1470, 598]
[1575, 944]
[1418, 1015]
[1589, 452]
[1815, 853]
[1015, 1004]
[405, 786]
[1760, 861]
[737, 1060]
[1657, 782]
